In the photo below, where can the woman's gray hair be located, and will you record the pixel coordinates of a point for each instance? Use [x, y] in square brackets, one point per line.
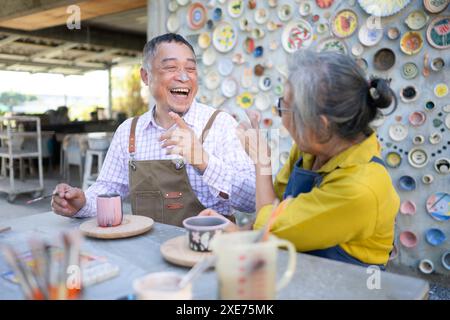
[333, 85]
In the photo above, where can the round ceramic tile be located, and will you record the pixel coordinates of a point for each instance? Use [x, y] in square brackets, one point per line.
[417, 118]
[212, 80]
[332, 45]
[393, 159]
[209, 57]
[418, 139]
[435, 236]
[265, 83]
[229, 87]
[172, 6]
[438, 206]
[324, 3]
[196, 16]
[344, 23]
[398, 132]
[442, 166]
[417, 157]
[235, 8]
[384, 59]
[369, 36]
[224, 37]
[204, 40]
[433, 6]
[435, 138]
[416, 20]
[409, 94]
[304, 8]
[245, 100]
[285, 12]
[441, 90]
[411, 43]
[410, 70]
[173, 23]
[261, 16]
[407, 183]
[438, 32]
[262, 102]
[225, 66]
[393, 33]
[357, 49]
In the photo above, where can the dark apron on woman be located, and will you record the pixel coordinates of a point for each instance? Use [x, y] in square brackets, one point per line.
[160, 189]
[303, 181]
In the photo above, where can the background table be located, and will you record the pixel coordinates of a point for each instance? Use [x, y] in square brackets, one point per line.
[315, 278]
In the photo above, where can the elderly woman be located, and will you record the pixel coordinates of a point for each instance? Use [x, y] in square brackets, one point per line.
[343, 204]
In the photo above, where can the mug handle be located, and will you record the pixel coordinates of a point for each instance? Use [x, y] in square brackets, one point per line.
[287, 275]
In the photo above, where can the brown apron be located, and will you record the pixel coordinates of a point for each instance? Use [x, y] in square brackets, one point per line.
[160, 189]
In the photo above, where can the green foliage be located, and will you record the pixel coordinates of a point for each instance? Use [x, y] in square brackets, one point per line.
[12, 99]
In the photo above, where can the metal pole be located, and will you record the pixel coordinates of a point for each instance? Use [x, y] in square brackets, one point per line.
[110, 93]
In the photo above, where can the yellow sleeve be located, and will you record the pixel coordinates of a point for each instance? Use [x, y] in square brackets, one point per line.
[282, 177]
[335, 213]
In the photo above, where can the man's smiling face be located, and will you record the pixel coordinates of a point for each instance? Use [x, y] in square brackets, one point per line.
[173, 78]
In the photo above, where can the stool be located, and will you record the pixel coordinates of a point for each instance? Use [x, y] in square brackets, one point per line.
[89, 175]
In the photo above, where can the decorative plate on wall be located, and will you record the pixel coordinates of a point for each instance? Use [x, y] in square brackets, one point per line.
[383, 8]
[410, 70]
[324, 3]
[369, 36]
[224, 37]
[344, 23]
[438, 32]
[416, 20]
[297, 34]
[173, 23]
[235, 8]
[411, 43]
[332, 44]
[229, 87]
[435, 6]
[245, 100]
[204, 40]
[196, 16]
[438, 206]
[285, 12]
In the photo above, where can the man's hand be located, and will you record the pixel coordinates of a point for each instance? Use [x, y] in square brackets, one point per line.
[182, 141]
[67, 200]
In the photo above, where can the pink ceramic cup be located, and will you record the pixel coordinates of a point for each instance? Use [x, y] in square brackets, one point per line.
[109, 210]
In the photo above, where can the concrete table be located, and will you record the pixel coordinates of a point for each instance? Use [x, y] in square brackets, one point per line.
[315, 278]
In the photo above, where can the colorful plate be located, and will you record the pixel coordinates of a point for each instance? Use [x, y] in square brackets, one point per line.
[196, 16]
[224, 37]
[204, 40]
[441, 90]
[245, 100]
[297, 34]
[416, 20]
[369, 37]
[435, 236]
[410, 70]
[438, 206]
[383, 8]
[344, 23]
[324, 3]
[411, 42]
[435, 6]
[408, 239]
[265, 83]
[438, 32]
[333, 45]
[235, 8]
[393, 159]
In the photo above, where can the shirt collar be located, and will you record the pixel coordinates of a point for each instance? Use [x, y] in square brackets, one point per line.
[189, 117]
[359, 153]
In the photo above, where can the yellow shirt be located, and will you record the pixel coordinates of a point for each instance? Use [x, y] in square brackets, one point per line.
[354, 206]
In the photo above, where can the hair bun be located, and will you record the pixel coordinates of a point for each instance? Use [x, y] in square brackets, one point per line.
[380, 94]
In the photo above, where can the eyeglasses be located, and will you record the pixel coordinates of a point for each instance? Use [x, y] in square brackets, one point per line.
[278, 108]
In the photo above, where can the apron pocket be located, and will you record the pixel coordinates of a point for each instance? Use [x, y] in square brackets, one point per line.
[150, 204]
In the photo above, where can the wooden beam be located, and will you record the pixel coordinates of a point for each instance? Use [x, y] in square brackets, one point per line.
[59, 16]
[51, 52]
[87, 35]
[10, 63]
[18, 8]
[9, 40]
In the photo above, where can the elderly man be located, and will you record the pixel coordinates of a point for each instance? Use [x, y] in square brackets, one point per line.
[176, 159]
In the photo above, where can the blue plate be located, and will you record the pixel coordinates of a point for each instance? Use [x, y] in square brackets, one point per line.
[435, 237]
[407, 183]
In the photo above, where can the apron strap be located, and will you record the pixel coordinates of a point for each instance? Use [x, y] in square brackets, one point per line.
[208, 126]
[132, 140]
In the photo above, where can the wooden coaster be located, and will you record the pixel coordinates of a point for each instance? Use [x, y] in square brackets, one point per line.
[131, 226]
[177, 251]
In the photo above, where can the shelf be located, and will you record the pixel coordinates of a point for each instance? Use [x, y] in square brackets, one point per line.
[18, 134]
[16, 154]
[31, 185]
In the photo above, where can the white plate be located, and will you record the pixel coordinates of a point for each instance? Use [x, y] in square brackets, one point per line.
[224, 37]
[262, 101]
[235, 8]
[209, 57]
[357, 49]
[172, 6]
[212, 80]
[297, 34]
[225, 66]
[398, 132]
[229, 87]
[369, 37]
[305, 8]
[383, 8]
[173, 23]
[183, 2]
[265, 83]
[204, 40]
[285, 12]
[417, 157]
[261, 16]
[447, 121]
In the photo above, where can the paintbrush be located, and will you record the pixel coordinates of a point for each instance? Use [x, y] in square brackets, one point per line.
[42, 198]
[40, 267]
[12, 260]
[277, 209]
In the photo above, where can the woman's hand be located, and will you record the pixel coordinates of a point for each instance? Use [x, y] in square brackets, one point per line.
[231, 227]
[253, 140]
